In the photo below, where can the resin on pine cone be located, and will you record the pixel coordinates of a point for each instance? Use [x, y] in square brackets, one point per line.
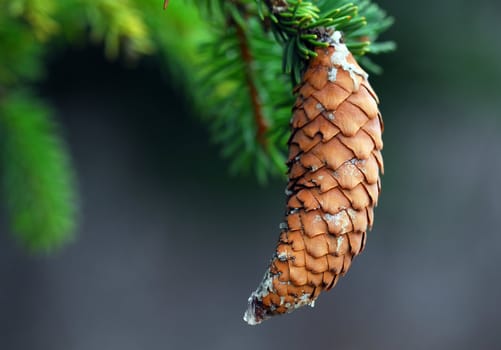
[334, 165]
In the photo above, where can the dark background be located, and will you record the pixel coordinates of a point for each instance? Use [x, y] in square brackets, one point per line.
[170, 246]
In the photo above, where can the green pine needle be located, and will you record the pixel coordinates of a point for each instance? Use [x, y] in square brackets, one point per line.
[37, 179]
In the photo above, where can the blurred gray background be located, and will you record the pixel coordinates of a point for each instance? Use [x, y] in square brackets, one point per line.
[170, 246]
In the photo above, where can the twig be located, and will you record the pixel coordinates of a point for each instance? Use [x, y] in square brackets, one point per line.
[257, 108]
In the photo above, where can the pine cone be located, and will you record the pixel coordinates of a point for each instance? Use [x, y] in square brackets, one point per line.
[334, 164]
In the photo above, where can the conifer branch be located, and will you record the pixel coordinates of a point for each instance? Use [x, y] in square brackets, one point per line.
[240, 59]
[256, 103]
[303, 25]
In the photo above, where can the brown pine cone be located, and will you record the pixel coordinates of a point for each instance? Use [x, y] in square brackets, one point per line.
[334, 164]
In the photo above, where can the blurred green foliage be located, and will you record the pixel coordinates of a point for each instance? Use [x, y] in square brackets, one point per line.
[226, 55]
[38, 184]
[37, 179]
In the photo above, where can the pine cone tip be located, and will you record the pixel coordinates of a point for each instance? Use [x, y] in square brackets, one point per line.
[262, 304]
[256, 312]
